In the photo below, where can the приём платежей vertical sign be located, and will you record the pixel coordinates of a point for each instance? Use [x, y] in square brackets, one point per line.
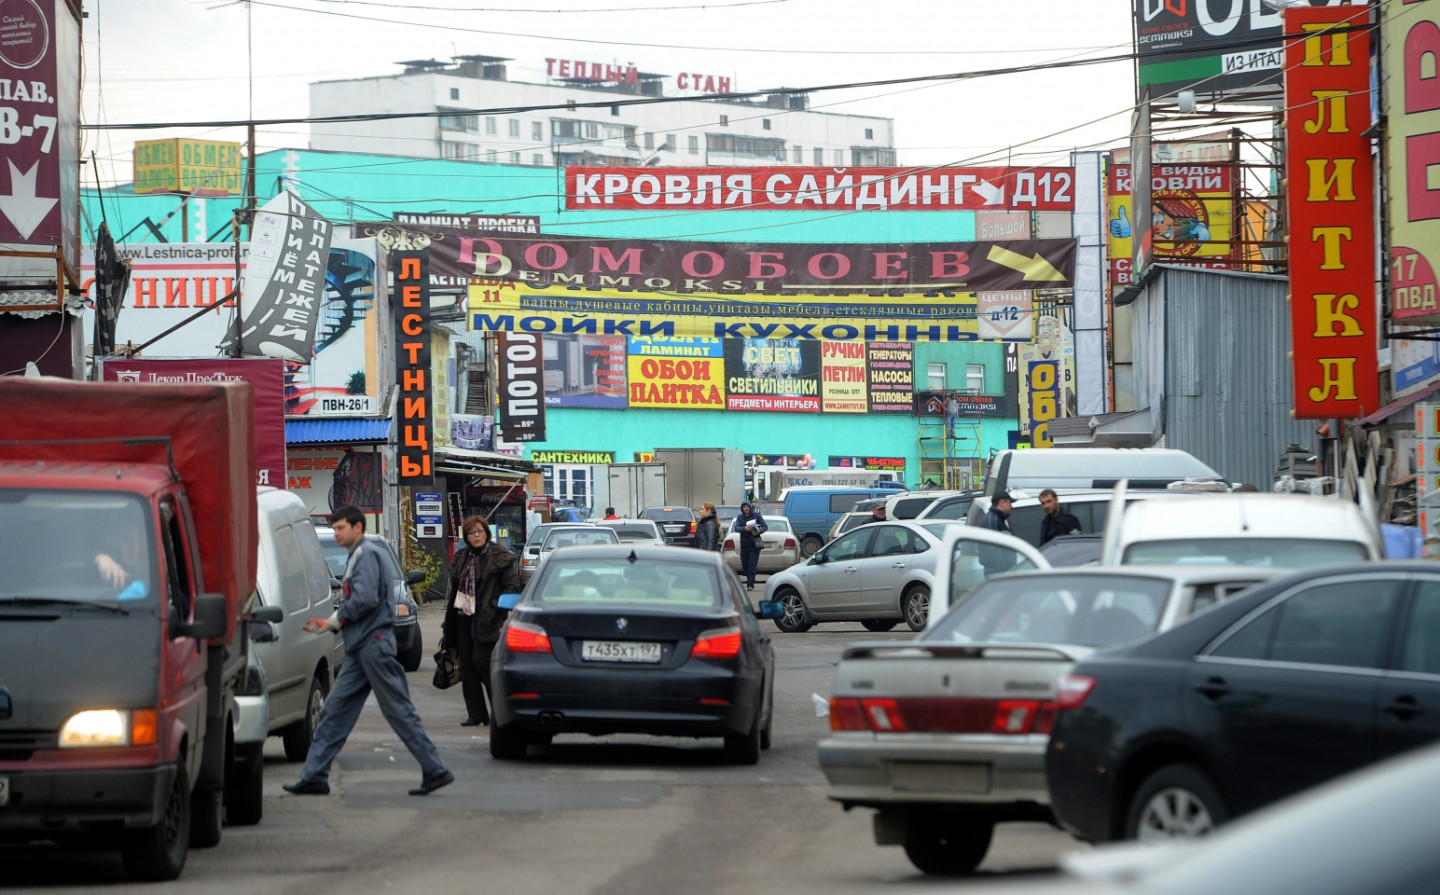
[1330, 202]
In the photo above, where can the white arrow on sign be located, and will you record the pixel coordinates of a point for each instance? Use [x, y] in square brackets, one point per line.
[25, 209]
[993, 195]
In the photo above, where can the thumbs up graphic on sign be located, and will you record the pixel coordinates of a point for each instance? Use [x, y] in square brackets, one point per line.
[1120, 227]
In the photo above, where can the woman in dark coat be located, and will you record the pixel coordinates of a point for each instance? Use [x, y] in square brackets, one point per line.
[707, 531]
[481, 572]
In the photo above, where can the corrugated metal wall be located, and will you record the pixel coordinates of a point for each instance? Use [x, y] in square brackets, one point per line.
[1227, 377]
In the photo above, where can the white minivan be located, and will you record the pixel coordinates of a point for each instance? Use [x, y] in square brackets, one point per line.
[1092, 468]
[1287, 531]
[291, 573]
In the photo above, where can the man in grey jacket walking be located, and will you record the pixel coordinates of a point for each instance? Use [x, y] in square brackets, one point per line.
[366, 619]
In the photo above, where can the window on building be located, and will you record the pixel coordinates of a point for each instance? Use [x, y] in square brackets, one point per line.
[649, 141]
[739, 144]
[454, 92]
[839, 156]
[569, 129]
[694, 145]
[514, 158]
[538, 159]
[799, 155]
[449, 149]
[673, 143]
[869, 133]
[975, 379]
[615, 110]
[456, 122]
[490, 125]
[935, 374]
[819, 155]
[490, 156]
[515, 127]
[885, 157]
[857, 158]
[592, 130]
[724, 120]
[765, 123]
[472, 151]
[537, 131]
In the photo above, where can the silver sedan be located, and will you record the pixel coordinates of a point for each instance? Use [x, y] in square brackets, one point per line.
[781, 550]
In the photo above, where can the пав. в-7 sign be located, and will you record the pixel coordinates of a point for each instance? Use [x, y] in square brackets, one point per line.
[815, 189]
[1329, 201]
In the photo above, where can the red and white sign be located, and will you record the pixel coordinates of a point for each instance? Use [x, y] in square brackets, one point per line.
[1329, 201]
[266, 377]
[802, 189]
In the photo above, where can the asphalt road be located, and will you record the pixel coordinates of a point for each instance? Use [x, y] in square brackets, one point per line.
[594, 816]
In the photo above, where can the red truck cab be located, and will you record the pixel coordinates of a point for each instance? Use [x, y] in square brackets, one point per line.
[120, 611]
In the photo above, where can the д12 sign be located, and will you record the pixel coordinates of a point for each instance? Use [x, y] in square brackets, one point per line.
[412, 368]
[522, 386]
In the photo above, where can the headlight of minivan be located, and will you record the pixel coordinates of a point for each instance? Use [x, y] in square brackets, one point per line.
[108, 727]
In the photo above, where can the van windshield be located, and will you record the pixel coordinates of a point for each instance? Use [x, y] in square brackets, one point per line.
[83, 546]
[1279, 553]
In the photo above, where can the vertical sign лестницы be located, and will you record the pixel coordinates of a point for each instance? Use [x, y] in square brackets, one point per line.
[414, 445]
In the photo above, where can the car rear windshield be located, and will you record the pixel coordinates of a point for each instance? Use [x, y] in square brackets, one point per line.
[1279, 553]
[605, 583]
[1088, 610]
[633, 532]
[578, 537]
[669, 514]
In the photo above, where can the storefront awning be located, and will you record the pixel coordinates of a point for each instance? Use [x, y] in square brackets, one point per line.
[486, 464]
[1394, 407]
[336, 431]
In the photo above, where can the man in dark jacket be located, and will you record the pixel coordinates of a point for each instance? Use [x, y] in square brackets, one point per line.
[994, 559]
[749, 526]
[366, 621]
[1057, 522]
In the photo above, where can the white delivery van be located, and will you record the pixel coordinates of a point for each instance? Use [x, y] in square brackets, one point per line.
[1287, 531]
[1058, 468]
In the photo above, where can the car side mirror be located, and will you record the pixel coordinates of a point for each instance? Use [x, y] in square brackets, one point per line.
[336, 584]
[508, 601]
[210, 619]
[534, 550]
[414, 576]
[770, 609]
[272, 614]
[262, 632]
[817, 560]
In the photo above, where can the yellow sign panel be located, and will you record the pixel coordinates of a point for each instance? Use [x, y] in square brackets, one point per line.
[197, 167]
[857, 317]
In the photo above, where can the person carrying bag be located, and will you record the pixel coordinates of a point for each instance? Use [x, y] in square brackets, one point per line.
[481, 572]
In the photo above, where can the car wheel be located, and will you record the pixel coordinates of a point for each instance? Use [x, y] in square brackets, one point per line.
[158, 854]
[745, 748]
[1176, 802]
[245, 796]
[416, 652]
[508, 743]
[915, 606]
[796, 619]
[879, 624]
[948, 848]
[809, 545]
[207, 814]
[299, 735]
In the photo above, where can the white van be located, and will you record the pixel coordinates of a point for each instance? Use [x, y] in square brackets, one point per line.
[290, 572]
[1244, 529]
[1092, 468]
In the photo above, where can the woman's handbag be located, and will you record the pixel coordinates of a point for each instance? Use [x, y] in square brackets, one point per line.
[447, 668]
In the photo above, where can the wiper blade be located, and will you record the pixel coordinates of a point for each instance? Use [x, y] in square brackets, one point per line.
[55, 601]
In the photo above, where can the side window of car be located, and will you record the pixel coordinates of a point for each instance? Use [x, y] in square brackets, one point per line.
[1025, 523]
[1422, 635]
[917, 543]
[317, 571]
[849, 546]
[177, 568]
[890, 540]
[843, 503]
[294, 590]
[1340, 623]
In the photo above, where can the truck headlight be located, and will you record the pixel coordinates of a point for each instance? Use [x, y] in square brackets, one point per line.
[109, 727]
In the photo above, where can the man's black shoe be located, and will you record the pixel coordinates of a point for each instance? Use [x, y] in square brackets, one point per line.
[471, 722]
[307, 788]
[428, 786]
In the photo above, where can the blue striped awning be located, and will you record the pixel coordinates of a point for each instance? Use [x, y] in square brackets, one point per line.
[337, 431]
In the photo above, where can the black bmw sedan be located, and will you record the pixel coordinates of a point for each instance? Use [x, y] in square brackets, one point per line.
[634, 639]
[1298, 681]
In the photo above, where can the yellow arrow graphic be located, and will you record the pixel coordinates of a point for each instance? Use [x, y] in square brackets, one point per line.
[1036, 268]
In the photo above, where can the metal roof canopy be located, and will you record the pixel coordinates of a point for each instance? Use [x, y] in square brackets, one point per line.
[337, 431]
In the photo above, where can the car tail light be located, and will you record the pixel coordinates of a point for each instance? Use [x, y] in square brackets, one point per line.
[729, 543]
[883, 714]
[1073, 690]
[845, 714]
[526, 638]
[692, 527]
[1022, 716]
[790, 542]
[722, 643]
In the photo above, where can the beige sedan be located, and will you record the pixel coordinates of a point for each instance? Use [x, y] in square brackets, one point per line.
[781, 550]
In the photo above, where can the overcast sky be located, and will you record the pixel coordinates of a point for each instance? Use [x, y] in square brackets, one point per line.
[187, 60]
